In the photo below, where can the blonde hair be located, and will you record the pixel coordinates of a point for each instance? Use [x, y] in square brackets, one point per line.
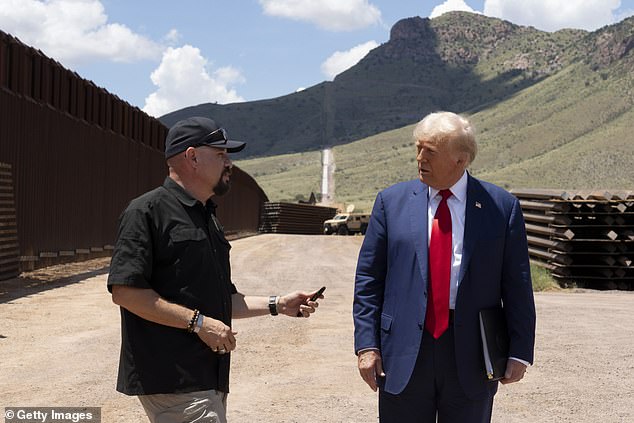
[447, 126]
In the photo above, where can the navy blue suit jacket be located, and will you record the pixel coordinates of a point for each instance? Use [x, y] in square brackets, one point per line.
[392, 279]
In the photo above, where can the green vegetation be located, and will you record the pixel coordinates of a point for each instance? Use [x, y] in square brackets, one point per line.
[285, 178]
[571, 129]
[542, 281]
[461, 62]
[559, 133]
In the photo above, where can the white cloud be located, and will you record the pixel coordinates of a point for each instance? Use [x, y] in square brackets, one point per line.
[183, 79]
[552, 15]
[450, 6]
[74, 31]
[172, 37]
[342, 60]
[333, 15]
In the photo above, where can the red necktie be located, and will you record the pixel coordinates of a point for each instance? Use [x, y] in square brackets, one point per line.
[437, 318]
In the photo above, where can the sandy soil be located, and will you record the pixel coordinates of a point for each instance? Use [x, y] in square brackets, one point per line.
[59, 345]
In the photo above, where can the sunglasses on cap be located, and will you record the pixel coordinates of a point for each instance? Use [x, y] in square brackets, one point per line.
[217, 137]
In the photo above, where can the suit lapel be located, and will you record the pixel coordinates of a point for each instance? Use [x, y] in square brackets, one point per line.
[474, 208]
[418, 223]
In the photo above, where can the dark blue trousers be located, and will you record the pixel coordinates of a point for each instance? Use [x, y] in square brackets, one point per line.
[433, 393]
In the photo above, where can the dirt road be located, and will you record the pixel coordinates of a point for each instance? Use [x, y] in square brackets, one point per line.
[59, 346]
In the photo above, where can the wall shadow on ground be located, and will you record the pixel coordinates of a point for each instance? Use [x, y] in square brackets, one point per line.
[25, 286]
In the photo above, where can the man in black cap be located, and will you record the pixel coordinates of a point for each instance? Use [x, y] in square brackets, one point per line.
[170, 275]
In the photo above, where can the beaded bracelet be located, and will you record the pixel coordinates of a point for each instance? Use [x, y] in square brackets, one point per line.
[192, 322]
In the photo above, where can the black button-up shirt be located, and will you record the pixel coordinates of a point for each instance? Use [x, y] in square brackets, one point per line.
[170, 242]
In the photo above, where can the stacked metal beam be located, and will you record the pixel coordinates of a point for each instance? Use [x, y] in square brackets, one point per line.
[290, 218]
[582, 237]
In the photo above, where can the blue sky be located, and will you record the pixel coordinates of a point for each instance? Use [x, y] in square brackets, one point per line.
[162, 55]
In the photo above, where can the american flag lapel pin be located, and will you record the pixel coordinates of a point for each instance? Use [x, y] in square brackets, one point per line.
[478, 205]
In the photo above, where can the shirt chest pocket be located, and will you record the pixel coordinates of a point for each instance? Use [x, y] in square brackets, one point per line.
[187, 243]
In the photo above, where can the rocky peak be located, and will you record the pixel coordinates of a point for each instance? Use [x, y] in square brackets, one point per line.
[415, 28]
[612, 43]
[411, 38]
[458, 38]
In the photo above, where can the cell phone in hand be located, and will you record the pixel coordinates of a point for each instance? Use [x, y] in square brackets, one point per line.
[314, 297]
[318, 293]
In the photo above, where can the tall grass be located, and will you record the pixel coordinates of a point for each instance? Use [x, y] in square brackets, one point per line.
[542, 281]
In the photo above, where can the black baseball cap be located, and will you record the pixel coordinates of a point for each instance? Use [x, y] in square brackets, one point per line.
[196, 131]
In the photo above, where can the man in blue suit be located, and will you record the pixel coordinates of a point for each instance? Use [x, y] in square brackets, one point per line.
[436, 252]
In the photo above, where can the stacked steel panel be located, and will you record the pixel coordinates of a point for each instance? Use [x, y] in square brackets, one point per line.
[290, 218]
[9, 247]
[584, 237]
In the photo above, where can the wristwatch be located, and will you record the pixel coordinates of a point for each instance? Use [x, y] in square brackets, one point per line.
[273, 305]
[199, 323]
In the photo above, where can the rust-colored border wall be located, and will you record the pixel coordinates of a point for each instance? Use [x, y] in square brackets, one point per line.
[29, 74]
[239, 209]
[71, 178]
[78, 155]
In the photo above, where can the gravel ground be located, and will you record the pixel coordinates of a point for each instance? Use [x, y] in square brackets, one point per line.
[59, 344]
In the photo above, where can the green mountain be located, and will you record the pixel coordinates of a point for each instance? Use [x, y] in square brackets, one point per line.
[552, 110]
[458, 62]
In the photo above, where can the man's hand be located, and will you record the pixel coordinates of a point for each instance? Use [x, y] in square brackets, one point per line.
[371, 367]
[514, 371]
[297, 304]
[218, 336]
